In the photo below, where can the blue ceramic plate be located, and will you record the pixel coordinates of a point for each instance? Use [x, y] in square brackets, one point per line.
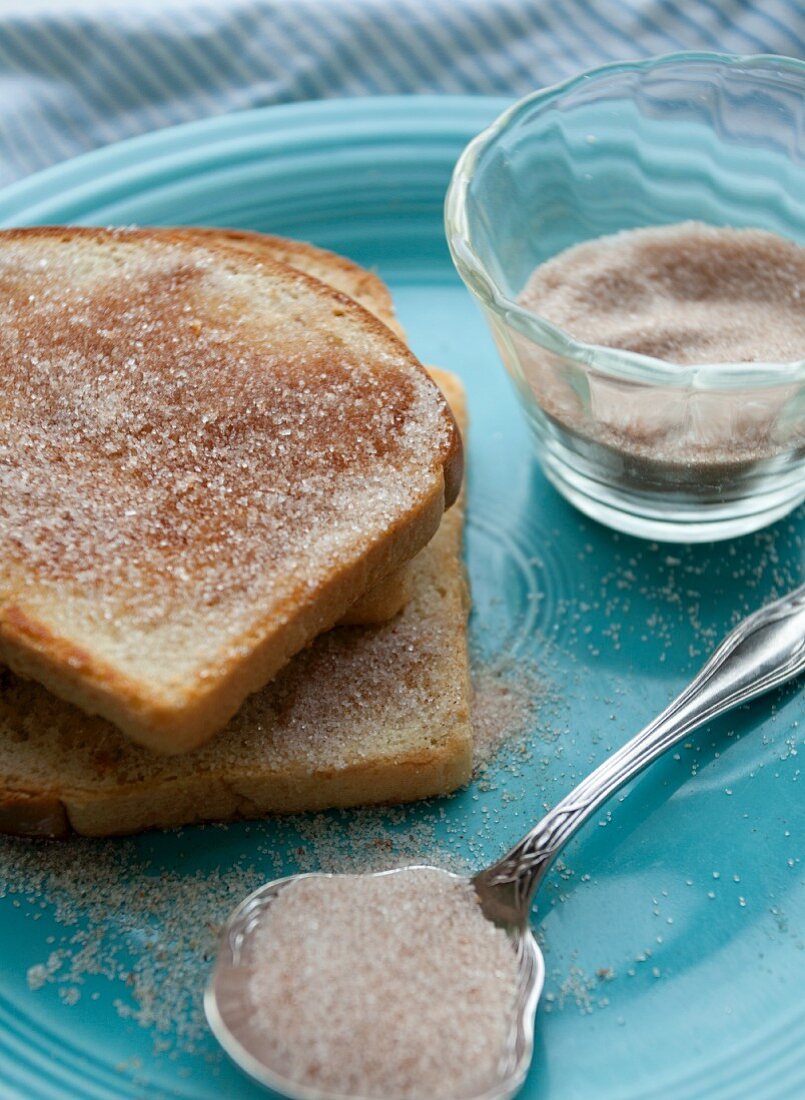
[673, 928]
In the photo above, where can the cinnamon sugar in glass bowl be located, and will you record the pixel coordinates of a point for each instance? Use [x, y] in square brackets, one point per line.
[684, 452]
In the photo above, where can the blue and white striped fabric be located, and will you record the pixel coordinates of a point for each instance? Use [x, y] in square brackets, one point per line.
[75, 74]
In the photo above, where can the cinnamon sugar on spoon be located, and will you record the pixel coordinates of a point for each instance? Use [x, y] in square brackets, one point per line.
[382, 985]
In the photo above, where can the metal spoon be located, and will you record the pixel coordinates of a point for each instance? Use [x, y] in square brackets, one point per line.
[762, 652]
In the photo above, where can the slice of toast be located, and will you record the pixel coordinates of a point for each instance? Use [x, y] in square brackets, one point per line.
[205, 459]
[387, 598]
[383, 600]
[350, 278]
[365, 715]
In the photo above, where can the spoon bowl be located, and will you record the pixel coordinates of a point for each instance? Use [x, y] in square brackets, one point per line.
[232, 1019]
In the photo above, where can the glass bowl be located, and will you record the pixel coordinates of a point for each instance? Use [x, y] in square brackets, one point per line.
[665, 451]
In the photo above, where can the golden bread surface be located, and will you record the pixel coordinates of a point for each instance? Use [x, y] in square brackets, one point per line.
[387, 598]
[205, 460]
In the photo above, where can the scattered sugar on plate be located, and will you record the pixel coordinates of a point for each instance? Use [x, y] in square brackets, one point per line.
[508, 695]
[393, 985]
[153, 934]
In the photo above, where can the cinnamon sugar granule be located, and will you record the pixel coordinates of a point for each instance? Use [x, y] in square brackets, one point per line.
[507, 696]
[382, 986]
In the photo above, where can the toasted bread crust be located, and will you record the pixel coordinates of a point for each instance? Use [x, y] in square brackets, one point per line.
[382, 601]
[207, 798]
[179, 720]
[34, 814]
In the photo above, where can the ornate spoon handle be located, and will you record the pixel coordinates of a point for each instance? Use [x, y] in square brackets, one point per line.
[762, 652]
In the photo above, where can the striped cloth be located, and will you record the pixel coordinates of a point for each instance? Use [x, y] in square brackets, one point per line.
[75, 74]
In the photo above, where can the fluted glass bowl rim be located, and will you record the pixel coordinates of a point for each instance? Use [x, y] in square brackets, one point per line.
[614, 362]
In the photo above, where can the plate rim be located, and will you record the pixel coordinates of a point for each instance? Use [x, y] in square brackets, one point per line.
[190, 142]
